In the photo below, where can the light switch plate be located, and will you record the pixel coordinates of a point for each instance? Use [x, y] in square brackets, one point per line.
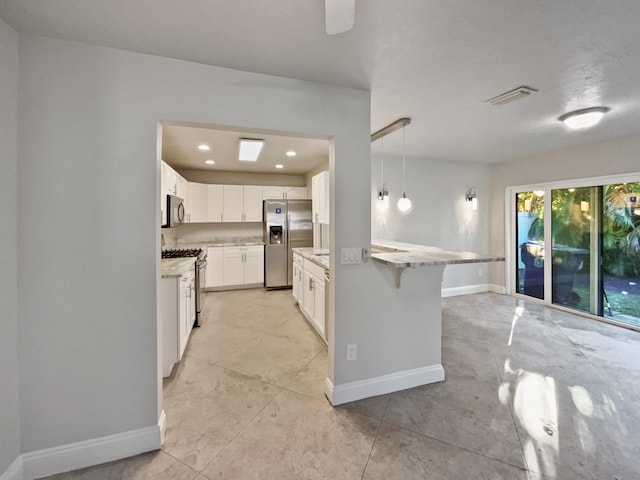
[351, 256]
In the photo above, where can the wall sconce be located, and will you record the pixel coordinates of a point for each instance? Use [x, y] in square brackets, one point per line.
[473, 198]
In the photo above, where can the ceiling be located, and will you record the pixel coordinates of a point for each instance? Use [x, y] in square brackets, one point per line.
[180, 150]
[434, 61]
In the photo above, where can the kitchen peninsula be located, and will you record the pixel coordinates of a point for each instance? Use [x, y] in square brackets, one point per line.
[406, 350]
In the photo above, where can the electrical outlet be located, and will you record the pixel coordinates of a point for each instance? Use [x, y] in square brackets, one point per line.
[352, 351]
[351, 256]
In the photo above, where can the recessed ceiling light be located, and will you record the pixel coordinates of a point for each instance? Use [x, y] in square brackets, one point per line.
[250, 149]
[584, 118]
[291, 153]
[279, 165]
[204, 147]
[210, 162]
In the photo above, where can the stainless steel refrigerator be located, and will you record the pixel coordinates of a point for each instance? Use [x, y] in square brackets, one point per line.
[287, 225]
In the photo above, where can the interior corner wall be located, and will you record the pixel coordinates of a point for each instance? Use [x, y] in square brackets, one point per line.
[89, 217]
[441, 216]
[612, 157]
[9, 405]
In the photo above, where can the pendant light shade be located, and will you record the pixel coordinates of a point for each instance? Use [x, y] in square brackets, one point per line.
[404, 204]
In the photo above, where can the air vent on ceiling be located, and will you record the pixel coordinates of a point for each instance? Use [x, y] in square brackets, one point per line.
[511, 95]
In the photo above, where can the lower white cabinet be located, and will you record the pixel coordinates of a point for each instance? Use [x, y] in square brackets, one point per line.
[309, 291]
[297, 277]
[214, 267]
[177, 315]
[242, 265]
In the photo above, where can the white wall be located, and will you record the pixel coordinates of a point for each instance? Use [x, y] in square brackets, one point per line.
[89, 217]
[9, 407]
[441, 216]
[605, 158]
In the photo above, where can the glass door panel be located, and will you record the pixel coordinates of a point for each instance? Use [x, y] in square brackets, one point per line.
[530, 243]
[575, 245]
[621, 252]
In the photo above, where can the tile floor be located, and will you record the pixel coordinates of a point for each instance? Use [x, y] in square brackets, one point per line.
[531, 393]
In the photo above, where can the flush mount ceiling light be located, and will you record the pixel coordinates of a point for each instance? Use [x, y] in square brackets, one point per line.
[250, 149]
[511, 95]
[279, 165]
[340, 15]
[584, 118]
[291, 153]
[210, 162]
[204, 148]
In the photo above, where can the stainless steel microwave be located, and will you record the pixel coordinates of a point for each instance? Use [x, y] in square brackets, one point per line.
[175, 211]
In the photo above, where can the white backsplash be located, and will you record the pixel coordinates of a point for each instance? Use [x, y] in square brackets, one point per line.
[202, 232]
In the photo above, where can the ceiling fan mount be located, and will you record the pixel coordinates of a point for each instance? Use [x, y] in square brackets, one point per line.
[340, 15]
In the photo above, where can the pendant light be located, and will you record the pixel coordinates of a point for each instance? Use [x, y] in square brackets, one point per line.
[404, 204]
[382, 204]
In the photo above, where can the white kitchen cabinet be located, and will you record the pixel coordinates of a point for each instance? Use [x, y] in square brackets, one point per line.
[252, 203]
[233, 204]
[312, 296]
[243, 265]
[214, 267]
[295, 193]
[297, 277]
[320, 197]
[177, 313]
[242, 203]
[182, 187]
[196, 205]
[215, 202]
[272, 193]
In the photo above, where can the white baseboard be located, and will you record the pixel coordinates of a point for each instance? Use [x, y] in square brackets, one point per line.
[392, 382]
[73, 456]
[14, 472]
[500, 289]
[465, 290]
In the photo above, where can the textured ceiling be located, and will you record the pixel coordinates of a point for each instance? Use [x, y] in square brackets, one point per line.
[434, 61]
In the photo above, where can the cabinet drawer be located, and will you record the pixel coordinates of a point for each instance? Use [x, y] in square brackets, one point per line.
[313, 269]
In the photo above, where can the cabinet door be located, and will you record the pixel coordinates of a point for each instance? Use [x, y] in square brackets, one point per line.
[308, 296]
[295, 193]
[315, 198]
[183, 320]
[296, 280]
[232, 266]
[214, 267]
[254, 265]
[318, 299]
[232, 203]
[215, 196]
[272, 193]
[252, 203]
[196, 206]
[182, 187]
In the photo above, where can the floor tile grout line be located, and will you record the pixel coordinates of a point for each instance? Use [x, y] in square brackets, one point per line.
[523, 468]
[373, 444]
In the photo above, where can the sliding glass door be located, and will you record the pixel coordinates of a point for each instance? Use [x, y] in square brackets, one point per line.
[593, 263]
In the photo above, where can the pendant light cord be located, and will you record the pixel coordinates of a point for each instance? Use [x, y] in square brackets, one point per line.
[403, 162]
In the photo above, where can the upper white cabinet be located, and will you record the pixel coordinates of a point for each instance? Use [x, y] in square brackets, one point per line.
[242, 203]
[252, 202]
[215, 202]
[272, 193]
[233, 208]
[320, 197]
[196, 203]
[280, 193]
[295, 193]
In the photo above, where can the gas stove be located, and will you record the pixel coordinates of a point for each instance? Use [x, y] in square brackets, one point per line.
[182, 252]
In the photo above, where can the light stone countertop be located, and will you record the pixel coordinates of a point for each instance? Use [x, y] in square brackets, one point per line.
[176, 267]
[307, 252]
[403, 255]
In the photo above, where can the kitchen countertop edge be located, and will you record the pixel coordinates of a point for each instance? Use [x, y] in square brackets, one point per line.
[426, 256]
